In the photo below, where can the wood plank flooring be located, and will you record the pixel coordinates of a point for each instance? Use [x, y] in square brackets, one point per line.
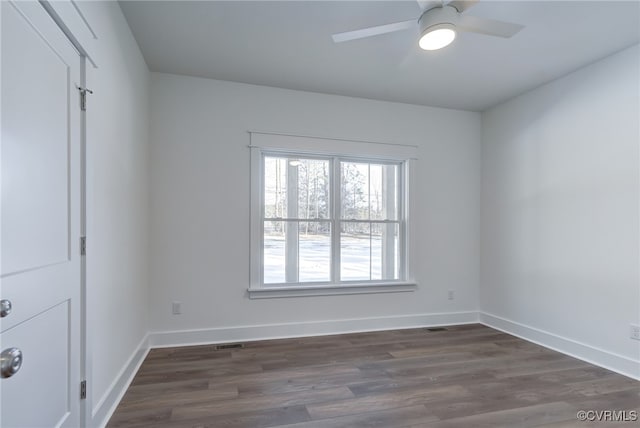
[464, 376]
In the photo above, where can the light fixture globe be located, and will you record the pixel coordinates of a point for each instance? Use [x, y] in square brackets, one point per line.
[437, 37]
[438, 27]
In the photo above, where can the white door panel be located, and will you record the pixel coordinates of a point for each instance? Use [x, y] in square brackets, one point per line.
[45, 365]
[35, 155]
[41, 261]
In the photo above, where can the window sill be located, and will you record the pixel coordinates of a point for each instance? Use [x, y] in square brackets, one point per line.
[303, 291]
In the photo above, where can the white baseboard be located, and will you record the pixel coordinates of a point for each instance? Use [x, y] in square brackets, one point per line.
[313, 328]
[104, 408]
[608, 360]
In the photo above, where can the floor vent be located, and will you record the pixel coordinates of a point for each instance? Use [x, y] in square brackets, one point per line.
[230, 346]
[436, 329]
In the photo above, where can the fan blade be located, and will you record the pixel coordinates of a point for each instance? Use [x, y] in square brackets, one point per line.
[429, 4]
[490, 27]
[462, 5]
[374, 31]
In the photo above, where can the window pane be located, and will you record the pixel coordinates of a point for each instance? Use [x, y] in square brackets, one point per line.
[314, 252]
[275, 187]
[296, 187]
[384, 192]
[313, 187]
[355, 251]
[384, 251]
[274, 252]
[297, 252]
[354, 190]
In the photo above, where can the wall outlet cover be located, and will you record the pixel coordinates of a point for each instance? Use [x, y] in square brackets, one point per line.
[634, 331]
[176, 308]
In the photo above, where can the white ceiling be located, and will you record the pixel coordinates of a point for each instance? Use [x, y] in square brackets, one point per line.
[288, 45]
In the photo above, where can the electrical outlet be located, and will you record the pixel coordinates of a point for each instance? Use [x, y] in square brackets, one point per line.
[451, 295]
[176, 308]
[634, 331]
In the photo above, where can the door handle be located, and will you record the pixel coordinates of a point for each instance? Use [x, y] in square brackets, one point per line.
[5, 307]
[10, 362]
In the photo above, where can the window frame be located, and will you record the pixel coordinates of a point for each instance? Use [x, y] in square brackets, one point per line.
[405, 282]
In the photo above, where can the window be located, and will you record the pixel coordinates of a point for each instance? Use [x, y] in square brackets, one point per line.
[328, 223]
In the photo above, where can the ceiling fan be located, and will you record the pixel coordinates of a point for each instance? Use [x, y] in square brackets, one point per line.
[438, 25]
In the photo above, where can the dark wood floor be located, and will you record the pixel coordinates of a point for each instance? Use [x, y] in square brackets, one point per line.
[464, 376]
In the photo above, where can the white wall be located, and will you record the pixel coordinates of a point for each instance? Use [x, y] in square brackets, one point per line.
[560, 212]
[117, 169]
[200, 206]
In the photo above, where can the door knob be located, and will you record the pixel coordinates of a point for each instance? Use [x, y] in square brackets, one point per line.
[11, 361]
[5, 307]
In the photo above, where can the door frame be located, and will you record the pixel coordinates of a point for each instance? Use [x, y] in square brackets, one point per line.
[68, 17]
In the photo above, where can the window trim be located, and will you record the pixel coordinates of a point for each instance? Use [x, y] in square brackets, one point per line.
[331, 149]
[330, 290]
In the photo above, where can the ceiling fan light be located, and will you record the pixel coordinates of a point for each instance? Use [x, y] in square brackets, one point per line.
[437, 38]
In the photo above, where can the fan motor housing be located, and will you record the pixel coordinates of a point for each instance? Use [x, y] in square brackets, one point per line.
[439, 17]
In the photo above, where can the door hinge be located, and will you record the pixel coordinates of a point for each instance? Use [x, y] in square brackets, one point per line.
[83, 390]
[83, 245]
[83, 98]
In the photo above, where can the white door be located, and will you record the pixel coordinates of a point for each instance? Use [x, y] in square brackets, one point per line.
[40, 261]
